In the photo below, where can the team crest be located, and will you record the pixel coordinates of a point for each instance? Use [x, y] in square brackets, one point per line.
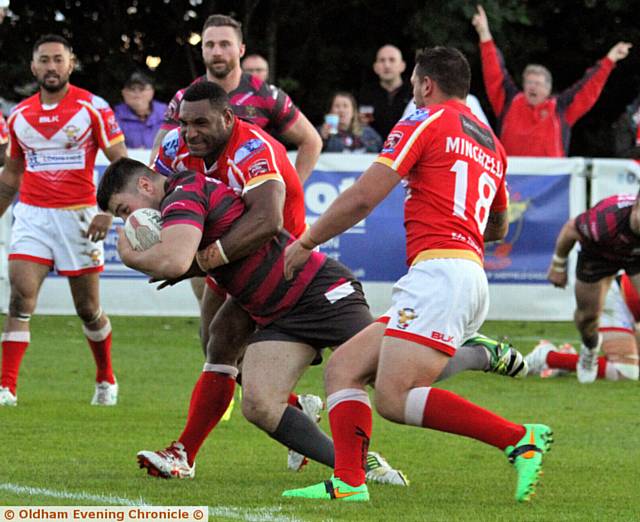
[392, 141]
[405, 316]
[71, 131]
[251, 111]
[259, 167]
[96, 257]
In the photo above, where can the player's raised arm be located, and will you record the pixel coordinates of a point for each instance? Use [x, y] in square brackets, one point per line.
[303, 135]
[557, 272]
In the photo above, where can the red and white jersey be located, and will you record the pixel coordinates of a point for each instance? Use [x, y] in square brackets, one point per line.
[4, 130]
[453, 169]
[630, 296]
[59, 146]
[250, 158]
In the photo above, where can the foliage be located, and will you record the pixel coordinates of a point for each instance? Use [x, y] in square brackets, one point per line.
[318, 47]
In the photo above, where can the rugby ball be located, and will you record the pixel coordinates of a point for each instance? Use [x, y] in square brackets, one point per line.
[142, 228]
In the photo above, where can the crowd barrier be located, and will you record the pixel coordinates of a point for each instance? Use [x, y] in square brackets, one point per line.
[544, 193]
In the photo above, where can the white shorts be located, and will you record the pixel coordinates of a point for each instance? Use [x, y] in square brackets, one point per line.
[54, 237]
[439, 303]
[616, 316]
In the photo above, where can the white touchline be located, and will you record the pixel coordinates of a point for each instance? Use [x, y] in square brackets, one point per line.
[267, 514]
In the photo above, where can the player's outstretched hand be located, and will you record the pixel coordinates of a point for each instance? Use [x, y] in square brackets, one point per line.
[556, 277]
[295, 255]
[481, 24]
[619, 51]
[99, 227]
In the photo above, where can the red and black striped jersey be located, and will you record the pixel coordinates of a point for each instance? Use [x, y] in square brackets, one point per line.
[256, 281]
[605, 230]
[253, 100]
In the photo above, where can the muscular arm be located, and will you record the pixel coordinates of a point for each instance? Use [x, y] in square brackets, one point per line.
[168, 259]
[557, 273]
[261, 221]
[309, 143]
[3, 151]
[10, 179]
[117, 151]
[497, 226]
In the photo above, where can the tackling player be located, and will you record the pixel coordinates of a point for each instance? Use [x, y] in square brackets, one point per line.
[609, 237]
[453, 168]
[54, 137]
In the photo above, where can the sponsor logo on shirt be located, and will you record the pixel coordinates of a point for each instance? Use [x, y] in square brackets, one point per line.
[170, 144]
[392, 141]
[247, 149]
[417, 115]
[40, 161]
[259, 167]
[49, 119]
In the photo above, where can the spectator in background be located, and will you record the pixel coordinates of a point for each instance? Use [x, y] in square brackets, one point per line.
[4, 7]
[626, 139]
[256, 65]
[140, 116]
[532, 122]
[382, 103]
[347, 134]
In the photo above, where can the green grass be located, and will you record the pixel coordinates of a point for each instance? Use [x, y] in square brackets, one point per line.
[55, 440]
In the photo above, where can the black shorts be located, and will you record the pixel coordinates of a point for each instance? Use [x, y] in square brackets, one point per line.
[592, 268]
[316, 320]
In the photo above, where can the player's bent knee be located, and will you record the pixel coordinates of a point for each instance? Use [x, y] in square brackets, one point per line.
[88, 313]
[21, 305]
[387, 406]
[256, 410]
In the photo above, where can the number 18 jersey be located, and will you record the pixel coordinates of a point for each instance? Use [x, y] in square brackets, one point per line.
[453, 169]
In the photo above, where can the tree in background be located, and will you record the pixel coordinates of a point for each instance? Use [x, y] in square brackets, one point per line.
[315, 48]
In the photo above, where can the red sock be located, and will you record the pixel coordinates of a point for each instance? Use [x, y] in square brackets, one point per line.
[569, 361]
[562, 361]
[102, 354]
[293, 400]
[210, 399]
[12, 354]
[446, 411]
[350, 422]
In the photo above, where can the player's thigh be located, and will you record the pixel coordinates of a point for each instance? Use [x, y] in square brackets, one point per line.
[620, 347]
[271, 369]
[229, 333]
[590, 297]
[355, 362]
[26, 279]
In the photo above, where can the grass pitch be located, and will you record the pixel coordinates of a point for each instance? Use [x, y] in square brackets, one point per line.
[56, 449]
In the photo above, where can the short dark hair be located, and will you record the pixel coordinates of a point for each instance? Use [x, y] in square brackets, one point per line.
[217, 96]
[138, 78]
[117, 177]
[52, 38]
[448, 67]
[219, 20]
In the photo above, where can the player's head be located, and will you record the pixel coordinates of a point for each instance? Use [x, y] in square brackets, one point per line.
[52, 62]
[536, 83]
[222, 45]
[206, 119]
[256, 65]
[128, 185]
[440, 73]
[389, 64]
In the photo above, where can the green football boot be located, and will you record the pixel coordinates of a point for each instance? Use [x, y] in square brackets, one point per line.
[504, 359]
[526, 456]
[332, 489]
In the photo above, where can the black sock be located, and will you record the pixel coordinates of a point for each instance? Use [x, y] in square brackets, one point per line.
[300, 433]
